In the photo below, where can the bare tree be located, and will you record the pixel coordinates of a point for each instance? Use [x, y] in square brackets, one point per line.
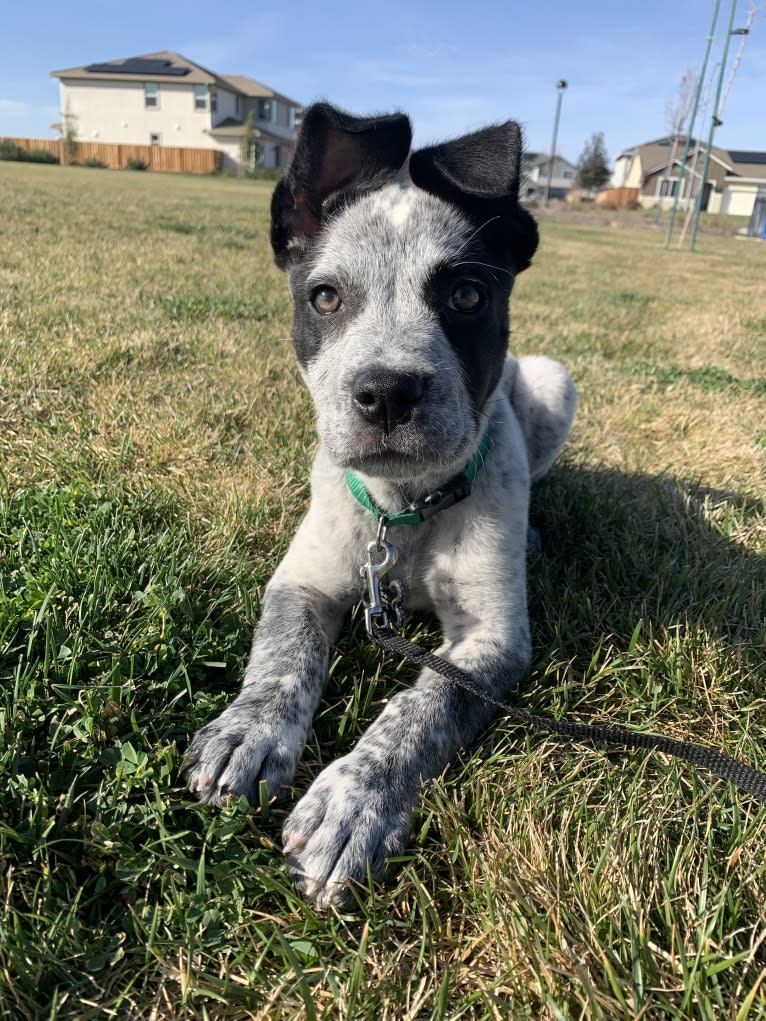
[752, 10]
[677, 110]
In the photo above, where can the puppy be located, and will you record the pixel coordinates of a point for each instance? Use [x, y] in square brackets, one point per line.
[401, 294]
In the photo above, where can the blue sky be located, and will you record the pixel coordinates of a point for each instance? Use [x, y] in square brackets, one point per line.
[452, 66]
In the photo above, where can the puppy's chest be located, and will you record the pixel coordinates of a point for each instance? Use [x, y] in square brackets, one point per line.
[426, 571]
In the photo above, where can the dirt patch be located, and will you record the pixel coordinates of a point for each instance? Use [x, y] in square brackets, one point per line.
[589, 215]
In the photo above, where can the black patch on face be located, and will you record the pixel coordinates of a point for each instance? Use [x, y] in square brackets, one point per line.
[480, 337]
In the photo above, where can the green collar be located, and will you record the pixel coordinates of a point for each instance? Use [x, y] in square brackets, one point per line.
[458, 488]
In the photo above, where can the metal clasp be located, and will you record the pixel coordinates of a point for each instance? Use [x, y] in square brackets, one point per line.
[375, 611]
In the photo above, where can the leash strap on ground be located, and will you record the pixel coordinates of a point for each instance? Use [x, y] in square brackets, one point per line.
[722, 766]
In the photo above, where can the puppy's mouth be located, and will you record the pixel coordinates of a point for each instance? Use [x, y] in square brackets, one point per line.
[399, 455]
[386, 458]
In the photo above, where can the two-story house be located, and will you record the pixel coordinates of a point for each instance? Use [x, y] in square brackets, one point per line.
[734, 179]
[535, 168]
[164, 99]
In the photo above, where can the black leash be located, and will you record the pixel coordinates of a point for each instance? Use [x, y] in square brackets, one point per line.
[384, 610]
[723, 766]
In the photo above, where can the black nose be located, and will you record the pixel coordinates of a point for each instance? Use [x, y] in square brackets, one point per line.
[387, 398]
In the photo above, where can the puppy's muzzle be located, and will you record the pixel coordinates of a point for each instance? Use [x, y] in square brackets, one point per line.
[385, 398]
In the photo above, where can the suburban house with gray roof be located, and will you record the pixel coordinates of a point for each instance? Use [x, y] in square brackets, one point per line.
[165, 99]
[734, 179]
[535, 168]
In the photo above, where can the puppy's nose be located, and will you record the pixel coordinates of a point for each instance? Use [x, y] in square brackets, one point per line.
[387, 398]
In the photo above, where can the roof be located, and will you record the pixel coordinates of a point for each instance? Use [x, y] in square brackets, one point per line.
[250, 87]
[170, 66]
[534, 159]
[746, 156]
[163, 64]
[654, 157]
[756, 170]
[230, 127]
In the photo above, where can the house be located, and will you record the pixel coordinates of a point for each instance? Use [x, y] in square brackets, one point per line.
[164, 99]
[535, 168]
[734, 177]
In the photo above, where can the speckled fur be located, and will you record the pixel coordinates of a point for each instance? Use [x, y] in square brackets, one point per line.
[467, 563]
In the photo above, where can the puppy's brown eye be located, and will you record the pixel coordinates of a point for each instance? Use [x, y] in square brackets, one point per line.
[326, 300]
[465, 298]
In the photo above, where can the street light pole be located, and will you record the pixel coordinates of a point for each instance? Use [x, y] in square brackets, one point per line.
[560, 87]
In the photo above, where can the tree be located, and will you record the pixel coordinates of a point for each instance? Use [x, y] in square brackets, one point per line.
[69, 135]
[249, 148]
[592, 166]
[678, 108]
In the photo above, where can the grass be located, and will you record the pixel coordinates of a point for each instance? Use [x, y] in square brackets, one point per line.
[154, 446]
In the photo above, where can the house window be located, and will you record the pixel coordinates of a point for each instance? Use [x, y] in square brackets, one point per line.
[238, 106]
[155, 138]
[200, 97]
[213, 101]
[291, 117]
[283, 114]
[264, 109]
[151, 95]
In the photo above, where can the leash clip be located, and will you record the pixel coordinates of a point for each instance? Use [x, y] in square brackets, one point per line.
[376, 606]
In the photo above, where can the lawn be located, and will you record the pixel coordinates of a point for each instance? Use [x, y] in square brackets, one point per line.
[154, 446]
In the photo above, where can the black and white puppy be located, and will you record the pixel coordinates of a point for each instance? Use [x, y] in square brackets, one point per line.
[401, 291]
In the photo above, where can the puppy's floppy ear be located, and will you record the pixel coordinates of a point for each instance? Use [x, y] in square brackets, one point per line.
[335, 152]
[479, 173]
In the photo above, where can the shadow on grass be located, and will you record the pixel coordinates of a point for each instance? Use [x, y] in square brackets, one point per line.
[623, 548]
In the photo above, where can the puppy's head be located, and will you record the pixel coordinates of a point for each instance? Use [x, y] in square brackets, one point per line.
[400, 291]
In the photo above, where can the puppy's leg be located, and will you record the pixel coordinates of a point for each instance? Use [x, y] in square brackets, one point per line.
[261, 735]
[543, 397]
[358, 810]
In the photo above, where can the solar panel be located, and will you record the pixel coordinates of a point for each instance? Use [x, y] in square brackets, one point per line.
[743, 156]
[142, 66]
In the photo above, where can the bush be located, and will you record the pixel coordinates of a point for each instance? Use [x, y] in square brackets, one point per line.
[9, 150]
[133, 163]
[94, 162]
[39, 156]
[267, 173]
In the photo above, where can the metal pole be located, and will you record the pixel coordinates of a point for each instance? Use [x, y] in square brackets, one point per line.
[692, 119]
[560, 86]
[715, 121]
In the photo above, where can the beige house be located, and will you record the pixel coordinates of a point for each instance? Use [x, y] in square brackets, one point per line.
[164, 99]
[733, 180]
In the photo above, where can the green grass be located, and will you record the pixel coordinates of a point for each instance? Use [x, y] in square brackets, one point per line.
[154, 448]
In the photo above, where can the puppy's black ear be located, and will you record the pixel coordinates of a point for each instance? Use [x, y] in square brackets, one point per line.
[480, 173]
[335, 152]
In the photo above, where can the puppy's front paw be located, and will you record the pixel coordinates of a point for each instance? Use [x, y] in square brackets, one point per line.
[232, 754]
[352, 817]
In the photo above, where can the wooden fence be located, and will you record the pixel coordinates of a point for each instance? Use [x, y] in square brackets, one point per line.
[617, 197]
[168, 158]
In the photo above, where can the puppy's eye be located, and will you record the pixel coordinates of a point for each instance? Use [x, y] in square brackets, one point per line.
[466, 297]
[325, 300]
